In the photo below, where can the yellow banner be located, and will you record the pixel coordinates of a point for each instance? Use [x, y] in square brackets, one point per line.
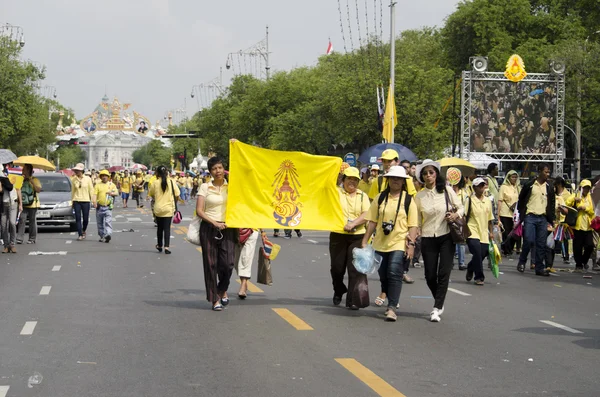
[271, 189]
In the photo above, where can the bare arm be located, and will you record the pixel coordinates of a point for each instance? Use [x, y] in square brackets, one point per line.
[357, 222]
[370, 230]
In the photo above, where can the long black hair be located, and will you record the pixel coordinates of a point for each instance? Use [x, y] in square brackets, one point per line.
[163, 174]
[440, 181]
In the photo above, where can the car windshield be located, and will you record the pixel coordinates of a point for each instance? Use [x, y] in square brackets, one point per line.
[54, 184]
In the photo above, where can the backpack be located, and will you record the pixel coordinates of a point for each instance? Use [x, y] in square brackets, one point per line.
[407, 199]
[27, 193]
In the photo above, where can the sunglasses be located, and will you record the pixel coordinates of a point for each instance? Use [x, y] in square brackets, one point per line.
[428, 172]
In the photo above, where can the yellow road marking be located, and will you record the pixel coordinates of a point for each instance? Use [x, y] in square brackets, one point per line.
[251, 287]
[294, 320]
[367, 376]
[559, 286]
[183, 229]
[199, 249]
[178, 231]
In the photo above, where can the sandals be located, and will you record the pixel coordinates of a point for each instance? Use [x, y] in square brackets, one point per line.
[224, 301]
[242, 296]
[407, 279]
[159, 249]
[479, 282]
[390, 315]
[217, 307]
[379, 301]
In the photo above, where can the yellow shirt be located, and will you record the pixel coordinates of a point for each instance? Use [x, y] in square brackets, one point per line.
[189, 181]
[139, 181]
[493, 187]
[560, 217]
[215, 200]
[102, 190]
[585, 214]
[353, 207]
[538, 201]
[17, 182]
[36, 201]
[480, 215]
[432, 211]
[374, 190]
[509, 195]
[364, 186]
[82, 189]
[396, 240]
[126, 182]
[164, 202]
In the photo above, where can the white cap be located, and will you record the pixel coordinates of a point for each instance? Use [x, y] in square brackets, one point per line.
[397, 171]
[478, 181]
[375, 167]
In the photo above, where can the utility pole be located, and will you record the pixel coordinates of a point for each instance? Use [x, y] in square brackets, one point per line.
[392, 55]
[267, 67]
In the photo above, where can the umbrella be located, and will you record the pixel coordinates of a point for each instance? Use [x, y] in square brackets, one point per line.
[116, 168]
[596, 193]
[463, 165]
[68, 172]
[139, 167]
[192, 173]
[374, 152]
[36, 161]
[6, 156]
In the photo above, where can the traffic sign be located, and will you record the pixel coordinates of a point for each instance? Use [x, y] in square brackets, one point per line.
[350, 158]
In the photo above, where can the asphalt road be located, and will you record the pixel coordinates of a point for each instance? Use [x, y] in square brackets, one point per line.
[122, 320]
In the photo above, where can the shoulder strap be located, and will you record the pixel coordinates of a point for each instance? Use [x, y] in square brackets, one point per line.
[174, 198]
[382, 197]
[379, 183]
[407, 199]
[446, 196]
[469, 209]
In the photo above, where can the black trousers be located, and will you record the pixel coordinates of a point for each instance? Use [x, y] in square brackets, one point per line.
[583, 247]
[508, 242]
[438, 258]
[218, 259]
[340, 251]
[163, 230]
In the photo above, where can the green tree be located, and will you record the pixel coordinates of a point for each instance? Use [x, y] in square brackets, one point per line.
[153, 154]
[67, 156]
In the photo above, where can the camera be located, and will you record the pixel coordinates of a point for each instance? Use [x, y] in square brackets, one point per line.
[387, 227]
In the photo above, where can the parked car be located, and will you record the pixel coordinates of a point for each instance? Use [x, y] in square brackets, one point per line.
[56, 207]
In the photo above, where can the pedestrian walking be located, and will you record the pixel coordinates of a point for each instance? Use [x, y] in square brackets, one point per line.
[164, 192]
[560, 188]
[10, 189]
[244, 256]
[583, 239]
[393, 217]
[138, 189]
[480, 218]
[82, 189]
[355, 204]
[29, 193]
[104, 193]
[537, 207]
[507, 203]
[126, 182]
[437, 206]
[217, 240]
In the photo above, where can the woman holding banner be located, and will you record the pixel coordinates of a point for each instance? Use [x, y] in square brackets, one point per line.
[355, 204]
[217, 240]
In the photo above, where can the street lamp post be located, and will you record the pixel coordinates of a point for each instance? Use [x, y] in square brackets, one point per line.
[577, 149]
[14, 33]
[260, 49]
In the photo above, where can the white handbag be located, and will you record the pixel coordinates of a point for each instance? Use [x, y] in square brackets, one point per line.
[193, 234]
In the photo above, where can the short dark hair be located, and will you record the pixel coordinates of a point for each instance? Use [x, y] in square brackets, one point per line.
[405, 161]
[541, 167]
[559, 180]
[491, 167]
[212, 162]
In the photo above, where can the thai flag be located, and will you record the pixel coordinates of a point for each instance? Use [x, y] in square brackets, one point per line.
[268, 248]
[329, 48]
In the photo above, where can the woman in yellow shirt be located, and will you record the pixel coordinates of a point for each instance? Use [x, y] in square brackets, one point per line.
[355, 204]
[507, 201]
[396, 232]
[479, 217]
[583, 239]
[217, 240]
[164, 192]
[82, 190]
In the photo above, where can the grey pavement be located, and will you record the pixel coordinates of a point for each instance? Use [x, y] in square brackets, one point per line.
[120, 320]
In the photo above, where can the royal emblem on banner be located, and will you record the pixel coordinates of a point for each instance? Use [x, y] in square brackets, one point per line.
[286, 206]
[515, 69]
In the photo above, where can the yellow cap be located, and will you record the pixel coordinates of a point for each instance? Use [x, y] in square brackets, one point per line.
[352, 172]
[389, 154]
[585, 183]
[104, 172]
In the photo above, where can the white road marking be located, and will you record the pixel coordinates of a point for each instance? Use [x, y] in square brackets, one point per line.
[48, 253]
[563, 327]
[68, 241]
[4, 390]
[134, 219]
[45, 290]
[118, 216]
[28, 328]
[73, 233]
[313, 241]
[56, 268]
[458, 292]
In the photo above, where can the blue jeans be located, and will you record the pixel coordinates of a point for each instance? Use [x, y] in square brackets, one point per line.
[183, 192]
[535, 231]
[391, 272]
[479, 252]
[104, 221]
[460, 252]
[82, 210]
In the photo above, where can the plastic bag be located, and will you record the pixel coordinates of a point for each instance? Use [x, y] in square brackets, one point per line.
[493, 262]
[550, 241]
[497, 234]
[365, 260]
[193, 234]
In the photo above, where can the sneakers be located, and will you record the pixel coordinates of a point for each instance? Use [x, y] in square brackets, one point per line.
[107, 239]
[299, 234]
[390, 315]
[551, 269]
[101, 240]
[337, 300]
[287, 236]
[435, 316]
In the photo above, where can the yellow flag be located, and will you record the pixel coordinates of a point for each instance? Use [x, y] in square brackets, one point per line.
[271, 189]
[390, 118]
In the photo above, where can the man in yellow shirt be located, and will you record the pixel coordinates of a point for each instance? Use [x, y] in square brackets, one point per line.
[138, 188]
[126, 182]
[365, 184]
[29, 191]
[583, 239]
[104, 193]
[389, 158]
[537, 210]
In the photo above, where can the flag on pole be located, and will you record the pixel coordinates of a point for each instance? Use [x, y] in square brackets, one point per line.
[271, 189]
[390, 119]
[380, 108]
[329, 48]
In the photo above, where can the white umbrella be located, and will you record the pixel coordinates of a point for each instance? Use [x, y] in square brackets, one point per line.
[139, 167]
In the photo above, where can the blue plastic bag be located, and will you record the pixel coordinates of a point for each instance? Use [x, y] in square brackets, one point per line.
[365, 260]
